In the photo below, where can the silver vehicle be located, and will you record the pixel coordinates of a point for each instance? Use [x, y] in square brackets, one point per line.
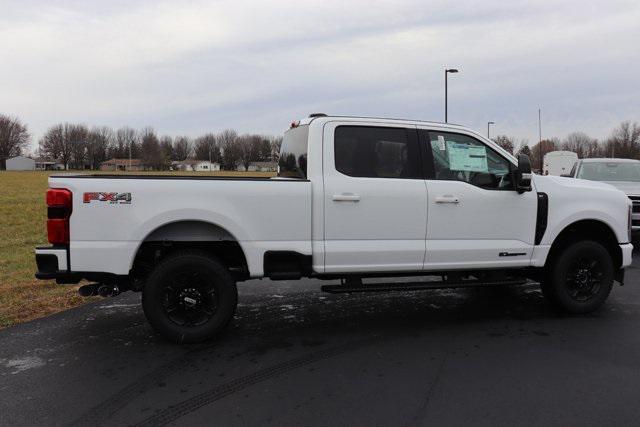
[624, 174]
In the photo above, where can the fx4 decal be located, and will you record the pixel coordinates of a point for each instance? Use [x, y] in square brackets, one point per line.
[112, 198]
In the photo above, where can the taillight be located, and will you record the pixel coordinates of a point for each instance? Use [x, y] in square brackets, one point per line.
[59, 207]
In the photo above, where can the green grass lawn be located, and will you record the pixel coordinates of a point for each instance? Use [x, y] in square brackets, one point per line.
[23, 217]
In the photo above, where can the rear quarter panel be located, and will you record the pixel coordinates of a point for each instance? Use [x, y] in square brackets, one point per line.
[260, 214]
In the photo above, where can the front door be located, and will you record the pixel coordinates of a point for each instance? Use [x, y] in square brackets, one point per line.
[476, 218]
[375, 203]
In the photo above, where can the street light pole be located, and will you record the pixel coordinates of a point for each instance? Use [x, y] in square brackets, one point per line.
[446, 89]
[489, 124]
[540, 139]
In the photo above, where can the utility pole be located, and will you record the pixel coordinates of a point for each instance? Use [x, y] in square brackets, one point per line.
[540, 138]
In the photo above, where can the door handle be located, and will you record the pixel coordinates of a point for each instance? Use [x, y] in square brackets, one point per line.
[447, 198]
[346, 197]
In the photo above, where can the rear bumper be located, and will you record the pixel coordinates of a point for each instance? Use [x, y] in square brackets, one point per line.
[53, 264]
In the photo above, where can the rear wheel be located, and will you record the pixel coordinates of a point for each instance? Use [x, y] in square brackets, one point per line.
[189, 297]
[580, 278]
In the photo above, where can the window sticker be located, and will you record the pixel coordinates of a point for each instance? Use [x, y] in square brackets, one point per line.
[464, 157]
[441, 144]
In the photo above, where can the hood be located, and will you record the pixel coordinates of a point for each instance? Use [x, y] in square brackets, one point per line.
[628, 187]
[547, 180]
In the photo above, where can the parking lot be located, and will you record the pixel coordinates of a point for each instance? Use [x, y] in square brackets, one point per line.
[296, 356]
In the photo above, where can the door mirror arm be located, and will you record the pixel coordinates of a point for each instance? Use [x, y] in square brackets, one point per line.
[522, 174]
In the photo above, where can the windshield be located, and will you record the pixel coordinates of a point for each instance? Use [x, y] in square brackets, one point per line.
[293, 154]
[611, 171]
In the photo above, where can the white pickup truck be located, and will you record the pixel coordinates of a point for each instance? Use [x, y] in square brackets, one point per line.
[354, 198]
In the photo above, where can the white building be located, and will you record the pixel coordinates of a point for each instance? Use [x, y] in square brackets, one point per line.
[195, 165]
[206, 166]
[20, 163]
[263, 167]
[44, 164]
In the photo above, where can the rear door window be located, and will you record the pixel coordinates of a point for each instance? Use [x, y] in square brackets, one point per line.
[376, 152]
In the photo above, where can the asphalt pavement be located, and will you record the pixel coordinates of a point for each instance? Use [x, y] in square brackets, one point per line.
[296, 356]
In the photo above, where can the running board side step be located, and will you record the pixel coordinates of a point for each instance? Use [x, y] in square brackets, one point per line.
[414, 286]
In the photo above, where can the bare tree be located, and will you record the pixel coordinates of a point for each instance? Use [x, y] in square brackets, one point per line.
[276, 143]
[580, 143]
[127, 141]
[206, 148]
[624, 141]
[505, 142]
[181, 148]
[152, 156]
[14, 136]
[58, 143]
[229, 149]
[540, 149]
[100, 140]
[77, 136]
[166, 148]
[248, 149]
[264, 149]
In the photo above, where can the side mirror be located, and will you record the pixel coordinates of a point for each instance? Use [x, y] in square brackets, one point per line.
[522, 174]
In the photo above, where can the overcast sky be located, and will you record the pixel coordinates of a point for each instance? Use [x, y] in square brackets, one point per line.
[187, 68]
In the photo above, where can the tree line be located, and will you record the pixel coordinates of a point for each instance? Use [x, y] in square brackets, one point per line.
[624, 142]
[78, 147]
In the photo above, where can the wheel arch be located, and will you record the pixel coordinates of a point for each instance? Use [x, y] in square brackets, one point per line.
[587, 229]
[183, 234]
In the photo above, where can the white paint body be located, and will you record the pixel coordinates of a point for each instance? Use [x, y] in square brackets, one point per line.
[347, 224]
[559, 162]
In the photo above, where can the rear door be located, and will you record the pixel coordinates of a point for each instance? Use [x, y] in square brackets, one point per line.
[375, 198]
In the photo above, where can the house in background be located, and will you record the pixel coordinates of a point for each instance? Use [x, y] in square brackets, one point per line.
[260, 167]
[44, 164]
[20, 163]
[124, 165]
[206, 166]
[195, 166]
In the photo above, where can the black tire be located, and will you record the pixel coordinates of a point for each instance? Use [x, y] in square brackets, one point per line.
[580, 278]
[189, 297]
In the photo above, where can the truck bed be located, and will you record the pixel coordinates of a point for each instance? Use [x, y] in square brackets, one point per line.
[114, 214]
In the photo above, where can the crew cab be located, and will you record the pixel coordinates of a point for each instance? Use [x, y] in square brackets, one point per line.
[354, 198]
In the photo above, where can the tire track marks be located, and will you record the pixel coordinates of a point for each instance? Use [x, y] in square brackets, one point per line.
[174, 412]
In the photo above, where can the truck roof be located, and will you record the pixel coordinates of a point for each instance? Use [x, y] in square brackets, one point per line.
[326, 117]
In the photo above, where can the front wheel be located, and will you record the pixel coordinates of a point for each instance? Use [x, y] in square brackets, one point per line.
[580, 278]
[189, 297]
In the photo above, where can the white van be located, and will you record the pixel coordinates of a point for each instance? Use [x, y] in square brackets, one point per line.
[559, 162]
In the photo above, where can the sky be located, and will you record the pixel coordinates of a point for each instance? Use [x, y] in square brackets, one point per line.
[185, 68]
